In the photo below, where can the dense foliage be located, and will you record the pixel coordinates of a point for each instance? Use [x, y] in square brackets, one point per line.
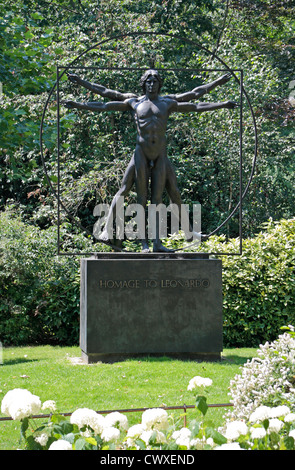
[259, 286]
[255, 36]
[39, 292]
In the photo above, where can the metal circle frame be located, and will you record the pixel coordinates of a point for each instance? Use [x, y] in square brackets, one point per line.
[185, 40]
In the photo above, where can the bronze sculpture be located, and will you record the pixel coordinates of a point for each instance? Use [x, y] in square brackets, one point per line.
[151, 112]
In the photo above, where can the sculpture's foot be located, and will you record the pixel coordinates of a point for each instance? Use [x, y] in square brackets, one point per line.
[196, 236]
[159, 248]
[104, 236]
[145, 247]
[204, 238]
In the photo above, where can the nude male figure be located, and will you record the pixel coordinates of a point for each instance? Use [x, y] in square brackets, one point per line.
[151, 112]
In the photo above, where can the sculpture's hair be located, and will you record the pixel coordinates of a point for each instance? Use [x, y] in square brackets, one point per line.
[147, 74]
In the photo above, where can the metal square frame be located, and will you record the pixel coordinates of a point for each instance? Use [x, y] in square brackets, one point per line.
[238, 206]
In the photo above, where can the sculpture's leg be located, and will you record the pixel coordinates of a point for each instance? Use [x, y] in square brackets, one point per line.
[127, 183]
[142, 173]
[158, 182]
[175, 197]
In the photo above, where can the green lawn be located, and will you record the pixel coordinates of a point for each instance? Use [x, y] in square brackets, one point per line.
[50, 373]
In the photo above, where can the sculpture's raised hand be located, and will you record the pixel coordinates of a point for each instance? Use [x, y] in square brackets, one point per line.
[224, 79]
[73, 77]
[231, 105]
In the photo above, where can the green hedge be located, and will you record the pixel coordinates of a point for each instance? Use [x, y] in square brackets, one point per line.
[39, 292]
[259, 286]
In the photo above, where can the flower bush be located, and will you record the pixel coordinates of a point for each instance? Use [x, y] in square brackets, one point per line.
[268, 379]
[261, 419]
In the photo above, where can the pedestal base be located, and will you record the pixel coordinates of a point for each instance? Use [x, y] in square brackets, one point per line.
[135, 307]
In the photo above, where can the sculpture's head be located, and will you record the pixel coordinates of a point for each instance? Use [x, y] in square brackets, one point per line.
[146, 75]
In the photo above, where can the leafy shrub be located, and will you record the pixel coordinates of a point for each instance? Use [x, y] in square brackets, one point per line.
[39, 292]
[259, 285]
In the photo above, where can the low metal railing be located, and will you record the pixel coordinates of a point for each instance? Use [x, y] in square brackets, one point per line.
[183, 407]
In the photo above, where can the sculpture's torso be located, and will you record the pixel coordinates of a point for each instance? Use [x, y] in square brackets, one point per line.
[151, 120]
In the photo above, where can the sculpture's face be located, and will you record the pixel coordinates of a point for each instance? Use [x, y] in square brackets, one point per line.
[152, 84]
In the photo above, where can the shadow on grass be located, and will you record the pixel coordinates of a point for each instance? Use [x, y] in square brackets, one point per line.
[20, 360]
[160, 358]
[227, 359]
[235, 359]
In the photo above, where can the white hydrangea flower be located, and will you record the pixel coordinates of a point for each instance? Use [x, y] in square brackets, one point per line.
[133, 434]
[110, 434]
[235, 429]
[87, 417]
[198, 443]
[155, 418]
[182, 437]
[10, 397]
[260, 414]
[61, 444]
[116, 419]
[41, 438]
[275, 425]
[289, 418]
[49, 405]
[157, 435]
[135, 430]
[20, 403]
[198, 381]
[257, 433]
[292, 433]
[279, 411]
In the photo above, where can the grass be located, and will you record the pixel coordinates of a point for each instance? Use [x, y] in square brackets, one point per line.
[50, 373]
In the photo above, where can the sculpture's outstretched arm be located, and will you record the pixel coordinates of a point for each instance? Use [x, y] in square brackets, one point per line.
[201, 107]
[98, 106]
[100, 89]
[200, 90]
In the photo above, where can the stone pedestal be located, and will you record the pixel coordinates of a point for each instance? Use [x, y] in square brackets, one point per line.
[150, 305]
